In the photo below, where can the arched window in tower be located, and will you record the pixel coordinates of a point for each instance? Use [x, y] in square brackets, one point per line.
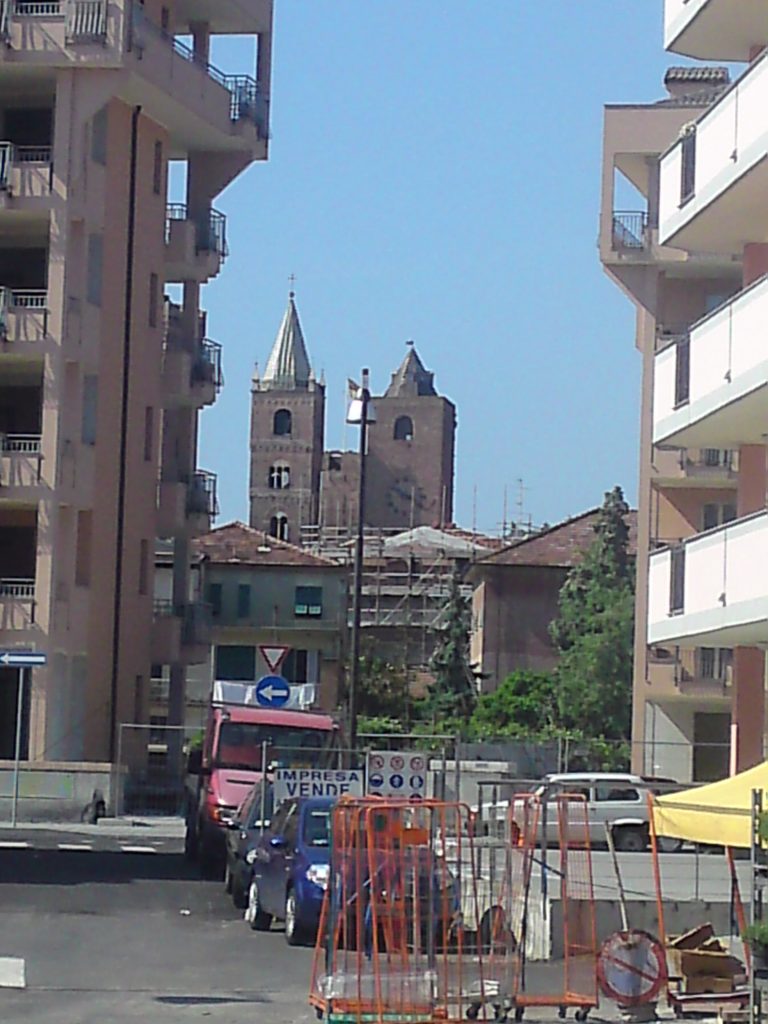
[403, 428]
[278, 526]
[282, 423]
[279, 477]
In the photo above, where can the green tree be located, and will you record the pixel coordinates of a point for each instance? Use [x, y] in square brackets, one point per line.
[383, 687]
[524, 705]
[594, 631]
[453, 694]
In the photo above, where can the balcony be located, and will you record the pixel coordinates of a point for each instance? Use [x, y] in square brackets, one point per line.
[26, 179]
[21, 463]
[166, 633]
[714, 29]
[708, 591]
[695, 467]
[17, 603]
[52, 25]
[711, 385]
[205, 108]
[714, 179]
[202, 502]
[195, 248]
[704, 673]
[191, 378]
[23, 318]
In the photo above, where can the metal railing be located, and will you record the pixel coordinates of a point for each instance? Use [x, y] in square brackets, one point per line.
[206, 369]
[17, 589]
[630, 229]
[246, 100]
[201, 495]
[210, 232]
[20, 444]
[86, 20]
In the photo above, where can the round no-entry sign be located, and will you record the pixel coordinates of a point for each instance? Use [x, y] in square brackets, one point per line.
[631, 968]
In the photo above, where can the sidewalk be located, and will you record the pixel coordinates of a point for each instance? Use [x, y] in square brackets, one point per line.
[136, 826]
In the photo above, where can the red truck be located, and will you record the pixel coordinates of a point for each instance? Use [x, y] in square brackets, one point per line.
[232, 759]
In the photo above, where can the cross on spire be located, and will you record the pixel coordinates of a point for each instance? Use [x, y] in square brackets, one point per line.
[291, 283]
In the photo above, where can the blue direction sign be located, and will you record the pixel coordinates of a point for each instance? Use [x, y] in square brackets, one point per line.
[273, 691]
[22, 659]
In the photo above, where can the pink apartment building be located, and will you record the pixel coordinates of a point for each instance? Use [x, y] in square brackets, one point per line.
[101, 377]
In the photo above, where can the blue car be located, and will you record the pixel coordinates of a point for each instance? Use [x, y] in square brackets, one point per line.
[290, 864]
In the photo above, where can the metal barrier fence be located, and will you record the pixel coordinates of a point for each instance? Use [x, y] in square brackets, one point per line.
[151, 767]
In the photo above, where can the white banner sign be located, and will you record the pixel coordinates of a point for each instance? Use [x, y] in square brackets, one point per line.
[298, 782]
[397, 773]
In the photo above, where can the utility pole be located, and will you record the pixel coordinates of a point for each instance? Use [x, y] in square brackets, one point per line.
[361, 406]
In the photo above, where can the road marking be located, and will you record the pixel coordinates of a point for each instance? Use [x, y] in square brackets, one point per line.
[13, 845]
[138, 849]
[12, 973]
[75, 846]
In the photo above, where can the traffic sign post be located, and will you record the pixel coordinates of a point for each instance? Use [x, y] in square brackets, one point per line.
[398, 773]
[273, 691]
[274, 655]
[24, 661]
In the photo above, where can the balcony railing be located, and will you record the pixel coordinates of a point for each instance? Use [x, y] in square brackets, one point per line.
[630, 229]
[20, 444]
[201, 496]
[86, 20]
[206, 368]
[12, 589]
[29, 298]
[210, 231]
[246, 100]
[17, 156]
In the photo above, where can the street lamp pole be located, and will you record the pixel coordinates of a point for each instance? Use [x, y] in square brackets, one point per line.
[357, 587]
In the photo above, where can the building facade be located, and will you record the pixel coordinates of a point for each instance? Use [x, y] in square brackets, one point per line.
[295, 484]
[101, 381]
[692, 257]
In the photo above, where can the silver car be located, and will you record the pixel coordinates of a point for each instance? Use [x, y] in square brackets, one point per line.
[614, 799]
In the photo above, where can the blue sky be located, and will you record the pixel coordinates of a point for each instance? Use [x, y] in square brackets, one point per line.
[434, 174]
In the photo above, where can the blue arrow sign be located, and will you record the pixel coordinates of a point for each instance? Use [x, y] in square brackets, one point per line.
[273, 692]
[22, 659]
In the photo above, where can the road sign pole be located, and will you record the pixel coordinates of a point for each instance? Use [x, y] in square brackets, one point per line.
[17, 751]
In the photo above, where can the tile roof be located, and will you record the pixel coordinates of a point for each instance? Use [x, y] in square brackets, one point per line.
[560, 546]
[238, 544]
[720, 75]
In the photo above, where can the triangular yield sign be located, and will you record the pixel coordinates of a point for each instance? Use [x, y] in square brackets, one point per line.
[274, 655]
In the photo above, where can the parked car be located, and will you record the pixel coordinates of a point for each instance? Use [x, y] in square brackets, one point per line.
[290, 864]
[251, 820]
[614, 799]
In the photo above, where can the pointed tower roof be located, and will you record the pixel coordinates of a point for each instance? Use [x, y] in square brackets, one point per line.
[411, 378]
[288, 364]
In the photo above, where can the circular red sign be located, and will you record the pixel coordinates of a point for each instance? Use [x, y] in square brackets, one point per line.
[632, 968]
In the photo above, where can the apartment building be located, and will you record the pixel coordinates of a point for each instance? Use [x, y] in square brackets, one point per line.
[693, 258]
[101, 378]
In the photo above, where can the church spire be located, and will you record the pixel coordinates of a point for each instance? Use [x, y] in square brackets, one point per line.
[288, 366]
[411, 378]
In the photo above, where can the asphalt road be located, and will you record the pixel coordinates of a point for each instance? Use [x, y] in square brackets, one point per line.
[126, 937]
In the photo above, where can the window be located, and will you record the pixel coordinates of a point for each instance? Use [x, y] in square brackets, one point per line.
[214, 598]
[677, 579]
[334, 462]
[143, 566]
[243, 600]
[403, 428]
[165, 20]
[83, 549]
[90, 405]
[317, 827]
[715, 662]
[154, 288]
[157, 170]
[295, 667]
[95, 268]
[99, 137]
[149, 430]
[688, 164]
[617, 793]
[279, 477]
[717, 457]
[309, 602]
[682, 371]
[278, 526]
[282, 423]
[714, 514]
[235, 662]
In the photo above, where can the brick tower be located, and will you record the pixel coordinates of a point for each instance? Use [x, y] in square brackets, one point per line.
[287, 433]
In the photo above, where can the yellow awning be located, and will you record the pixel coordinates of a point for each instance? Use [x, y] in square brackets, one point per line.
[719, 814]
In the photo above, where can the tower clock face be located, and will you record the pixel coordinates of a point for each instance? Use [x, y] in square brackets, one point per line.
[404, 492]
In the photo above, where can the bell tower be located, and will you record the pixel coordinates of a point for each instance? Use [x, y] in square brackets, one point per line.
[287, 435]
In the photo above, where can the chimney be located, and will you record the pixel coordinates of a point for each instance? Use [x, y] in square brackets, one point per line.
[688, 81]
